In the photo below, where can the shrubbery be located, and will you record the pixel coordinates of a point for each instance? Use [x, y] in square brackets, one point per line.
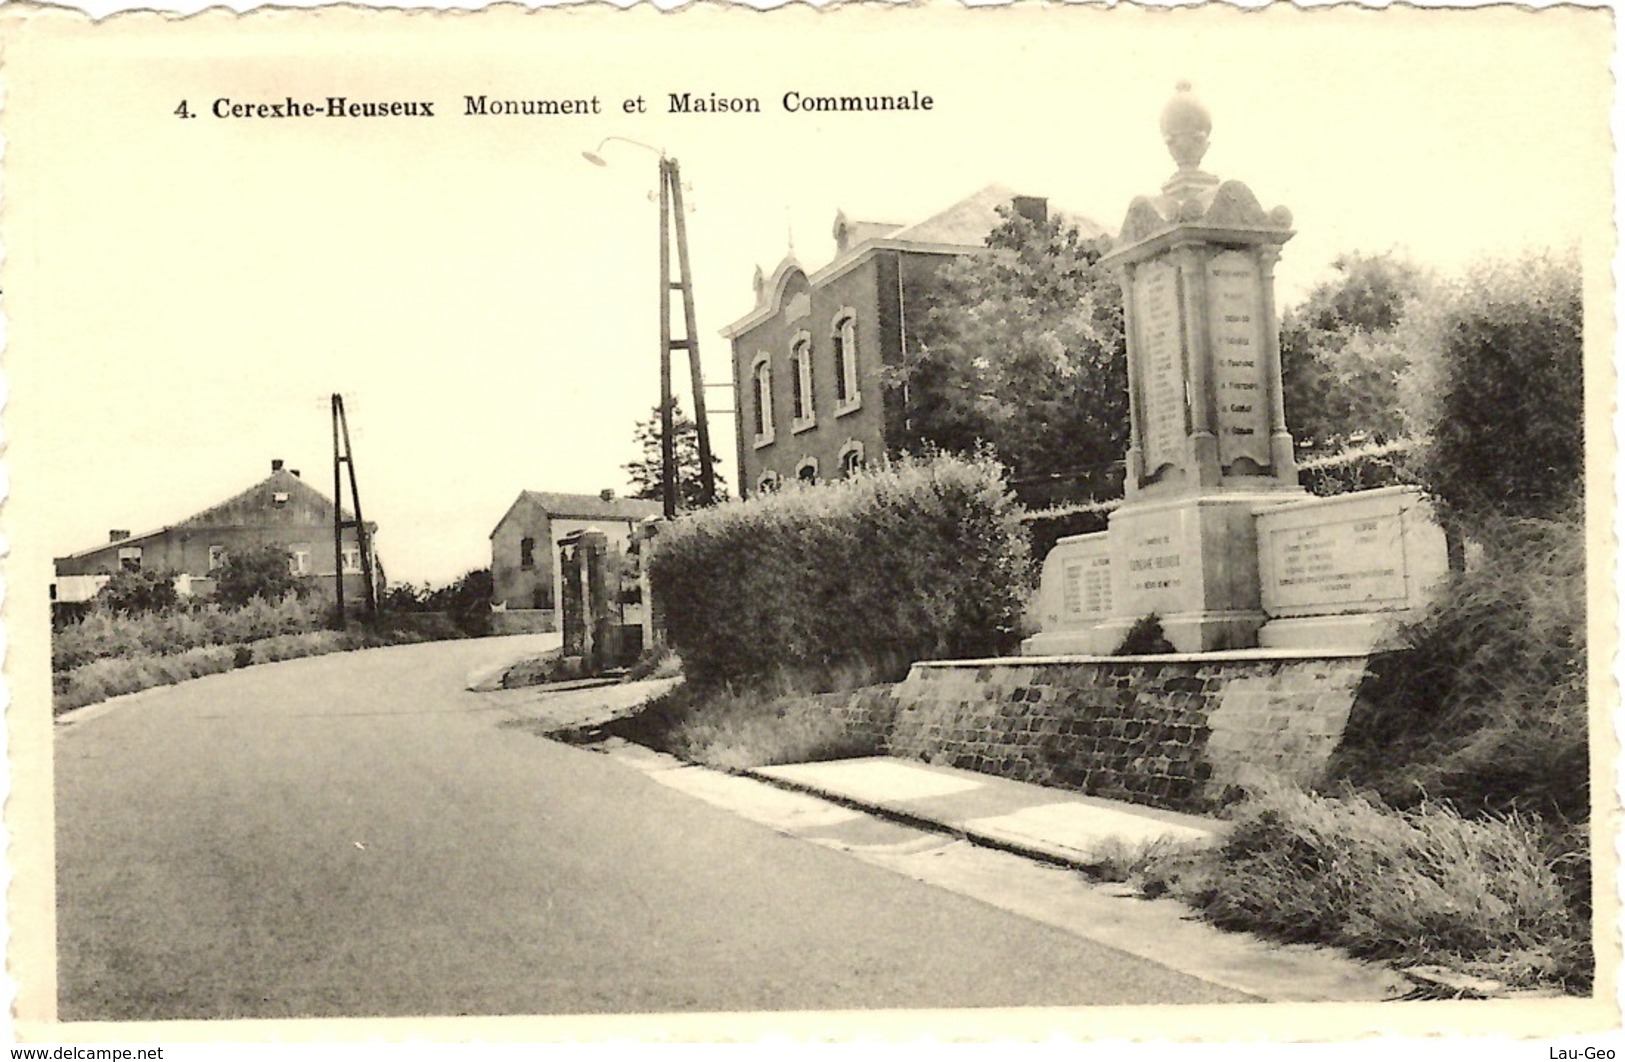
[1500, 401]
[923, 560]
[104, 634]
[139, 591]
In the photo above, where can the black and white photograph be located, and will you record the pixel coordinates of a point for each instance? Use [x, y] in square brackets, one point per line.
[878, 522]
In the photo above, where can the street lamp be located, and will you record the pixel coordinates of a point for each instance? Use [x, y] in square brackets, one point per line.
[671, 206]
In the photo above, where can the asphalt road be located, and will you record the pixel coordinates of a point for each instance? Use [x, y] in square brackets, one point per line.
[356, 835]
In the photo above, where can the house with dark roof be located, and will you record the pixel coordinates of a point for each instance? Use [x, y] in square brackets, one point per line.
[525, 564]
[808, 357]
[281, 509]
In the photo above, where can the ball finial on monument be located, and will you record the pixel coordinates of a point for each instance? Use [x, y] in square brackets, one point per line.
[1185, 127]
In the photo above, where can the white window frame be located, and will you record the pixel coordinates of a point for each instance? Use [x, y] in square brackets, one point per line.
[127, 554]
[352, 560]
[279, 498]
[844, 339]
[807, 463]
[768, 482]
[299, 559]
[801, 364]
[761, 371]
[853, 448]
[217, 557]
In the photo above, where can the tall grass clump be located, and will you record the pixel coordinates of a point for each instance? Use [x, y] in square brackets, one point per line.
[1484, 704]
[1426, 886]
[925, 559]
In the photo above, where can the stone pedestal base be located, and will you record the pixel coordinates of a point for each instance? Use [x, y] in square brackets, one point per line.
[1318, 633]
[1097, 641]
[1193, 562]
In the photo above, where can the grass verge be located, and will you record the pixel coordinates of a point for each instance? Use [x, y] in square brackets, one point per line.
[734, 731]
[115, 676]
[1491, 896]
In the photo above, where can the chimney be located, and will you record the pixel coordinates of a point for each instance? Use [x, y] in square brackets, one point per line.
[1034, 208]
[607, 494]
[295, 472]
[276, 464]
[117, 536]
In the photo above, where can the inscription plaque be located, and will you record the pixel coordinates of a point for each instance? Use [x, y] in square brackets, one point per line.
[1240, 389]
[1155, 563]
[1353, 563]
[1086, 587]
[1161, 362]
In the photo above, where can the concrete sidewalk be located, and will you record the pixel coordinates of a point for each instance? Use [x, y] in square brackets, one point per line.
[1031, 820]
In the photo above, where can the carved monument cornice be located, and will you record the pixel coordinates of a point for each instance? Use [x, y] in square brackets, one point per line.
[1194, 206]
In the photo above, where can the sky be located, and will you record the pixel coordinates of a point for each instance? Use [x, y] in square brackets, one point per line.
[184, 295]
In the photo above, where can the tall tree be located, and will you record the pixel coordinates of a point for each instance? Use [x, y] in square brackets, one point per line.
[645, 473]
[1023, 349]
[1340, 362]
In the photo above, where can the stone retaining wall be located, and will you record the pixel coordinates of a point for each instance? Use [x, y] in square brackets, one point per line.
[1181, 732]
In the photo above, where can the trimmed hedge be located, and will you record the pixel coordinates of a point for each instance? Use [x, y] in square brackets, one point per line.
[850, 580]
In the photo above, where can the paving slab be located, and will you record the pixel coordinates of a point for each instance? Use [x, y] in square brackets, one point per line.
[1031, 819]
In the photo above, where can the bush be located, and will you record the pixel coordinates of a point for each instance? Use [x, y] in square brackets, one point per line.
[923, 560]
[1500, 401]
[1425, 886]
[1484, 703]
[263, 571]
[1145, 638]
[137, 592]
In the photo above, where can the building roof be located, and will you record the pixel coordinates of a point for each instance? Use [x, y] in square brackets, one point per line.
[959, 229]
[229, 512]
[584, 506]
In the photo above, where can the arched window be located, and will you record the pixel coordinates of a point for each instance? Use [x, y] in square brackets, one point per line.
[768, 482]
[851, 457]
[762, 398]
[802, 411]
[844, 339]
[807, 470]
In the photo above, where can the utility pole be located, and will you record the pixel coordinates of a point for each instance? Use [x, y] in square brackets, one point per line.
[671, 202]
[690, 342]
[345, 456]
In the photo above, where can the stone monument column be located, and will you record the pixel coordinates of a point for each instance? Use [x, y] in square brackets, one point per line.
[1208, 444]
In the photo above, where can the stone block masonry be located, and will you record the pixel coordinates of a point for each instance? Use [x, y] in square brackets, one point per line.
[1186, 732]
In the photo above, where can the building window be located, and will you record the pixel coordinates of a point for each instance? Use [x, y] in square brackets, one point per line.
[851, 458]
[352, 559]
[299, 563]
[807, 471]
[279, 498]
[845, 341]
[527, 553]
[768, 482]
[803, 415]
[129, 558]
[217, 557]
[762, 398]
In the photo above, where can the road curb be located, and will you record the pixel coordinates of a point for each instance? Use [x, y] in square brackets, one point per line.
[1027, 849]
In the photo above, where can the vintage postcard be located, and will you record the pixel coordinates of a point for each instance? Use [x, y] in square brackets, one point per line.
[1036, 522]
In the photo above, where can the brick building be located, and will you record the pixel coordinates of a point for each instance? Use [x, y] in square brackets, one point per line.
[807, 358]
[525, 565]
[281, 509]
